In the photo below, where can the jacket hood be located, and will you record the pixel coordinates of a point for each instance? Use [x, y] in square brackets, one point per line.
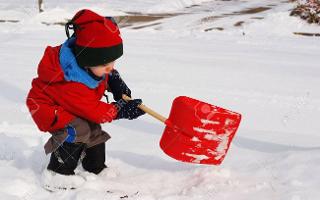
[49, 68]
[59, 64]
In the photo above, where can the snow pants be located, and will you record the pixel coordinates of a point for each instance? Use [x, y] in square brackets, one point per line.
[87, 133]
[89, 148]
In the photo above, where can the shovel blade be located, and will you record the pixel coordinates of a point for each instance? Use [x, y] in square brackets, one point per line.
[198, 132]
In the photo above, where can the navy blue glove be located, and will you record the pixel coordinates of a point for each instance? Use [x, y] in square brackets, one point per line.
[117, 86]
[129, 110]
[71, 137]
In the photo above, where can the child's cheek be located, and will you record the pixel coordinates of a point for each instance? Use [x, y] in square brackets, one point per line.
[108, 70]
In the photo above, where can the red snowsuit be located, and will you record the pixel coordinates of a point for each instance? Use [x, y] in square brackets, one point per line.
[54, 102]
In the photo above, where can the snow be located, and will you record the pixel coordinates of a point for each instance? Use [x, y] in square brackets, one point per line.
[195, 139]
[201, 130]
[260, 69]
[197, 158]
[55, 182]
[206, 121]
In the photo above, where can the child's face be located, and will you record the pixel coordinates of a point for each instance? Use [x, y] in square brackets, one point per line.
[101, 70]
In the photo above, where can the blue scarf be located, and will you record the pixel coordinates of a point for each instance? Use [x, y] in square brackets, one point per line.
[72, 71]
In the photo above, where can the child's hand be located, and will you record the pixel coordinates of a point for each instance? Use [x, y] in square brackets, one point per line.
[117, 86]
[129, 110]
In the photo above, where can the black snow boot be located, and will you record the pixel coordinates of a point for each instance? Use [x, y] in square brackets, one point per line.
[94, 158]
[64, 160]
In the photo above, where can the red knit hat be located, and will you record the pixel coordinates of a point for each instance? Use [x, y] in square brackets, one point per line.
[98, 39]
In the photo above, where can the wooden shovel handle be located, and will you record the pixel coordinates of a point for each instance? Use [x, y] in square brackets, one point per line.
[147, 110]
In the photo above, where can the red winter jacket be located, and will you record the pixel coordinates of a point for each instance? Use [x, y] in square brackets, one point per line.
[54, 102]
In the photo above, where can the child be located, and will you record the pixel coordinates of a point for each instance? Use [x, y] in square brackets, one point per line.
[65, 98]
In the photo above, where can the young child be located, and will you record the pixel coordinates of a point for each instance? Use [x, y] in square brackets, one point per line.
[65, 98]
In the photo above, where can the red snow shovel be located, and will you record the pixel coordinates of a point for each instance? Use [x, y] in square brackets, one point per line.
[196, 132]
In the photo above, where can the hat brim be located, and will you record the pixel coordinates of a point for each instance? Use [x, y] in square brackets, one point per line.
[90, 57]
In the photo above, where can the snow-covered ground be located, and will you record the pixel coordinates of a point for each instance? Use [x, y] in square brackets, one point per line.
[260, 69]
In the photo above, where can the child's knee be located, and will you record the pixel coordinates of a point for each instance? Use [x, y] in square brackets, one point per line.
[83, 130]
